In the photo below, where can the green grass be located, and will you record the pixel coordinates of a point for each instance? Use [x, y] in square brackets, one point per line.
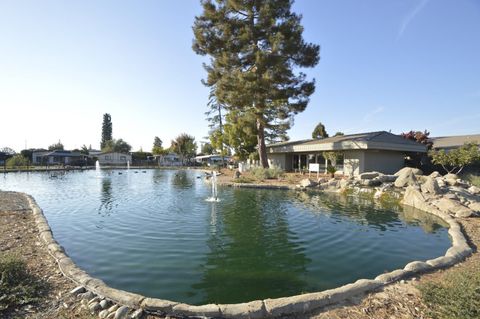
[17, 286]
[457, 296]
[474, 179]
[243, 179]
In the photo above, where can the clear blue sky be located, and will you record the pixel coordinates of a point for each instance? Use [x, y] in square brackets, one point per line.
[385, 65]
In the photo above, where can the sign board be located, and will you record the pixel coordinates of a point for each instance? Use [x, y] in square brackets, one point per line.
[313, 167]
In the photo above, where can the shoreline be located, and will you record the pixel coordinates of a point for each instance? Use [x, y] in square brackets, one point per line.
[294, 305]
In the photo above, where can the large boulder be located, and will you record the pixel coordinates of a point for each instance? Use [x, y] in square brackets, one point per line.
[453, 207]
[435, 174]
[306, 182]
[414, 171]
[387, 178]
[474, 190]
[475, 206]
[414, 198]
[451, 176]
[407, 178]
[369, 175]
[430, 186]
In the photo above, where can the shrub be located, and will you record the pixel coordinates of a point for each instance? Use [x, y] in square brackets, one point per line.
[261, 173]
[331, 170]
[17, 285]
[456, 296]
[17, 160]
[474, 179]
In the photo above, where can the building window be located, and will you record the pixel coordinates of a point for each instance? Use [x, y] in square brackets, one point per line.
[123, 158]
[107, 157]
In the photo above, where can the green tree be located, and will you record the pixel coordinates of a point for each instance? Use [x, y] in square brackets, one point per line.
[256, 49]
[339, 134]
[56, 147]
[185, 146]
[119, 146]
[240, 133]
[207, 149]
[157, 148]
[17, 160]
[84, 150]
[455, 160]
[216, 120]
[106, 130]
[319, 131]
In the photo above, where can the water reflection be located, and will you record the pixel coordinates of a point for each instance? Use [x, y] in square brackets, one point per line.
[252, 254]
[428, 222]
[182, 180]
[106, 198]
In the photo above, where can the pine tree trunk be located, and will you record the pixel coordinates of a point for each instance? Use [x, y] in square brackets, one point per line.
[262, 149]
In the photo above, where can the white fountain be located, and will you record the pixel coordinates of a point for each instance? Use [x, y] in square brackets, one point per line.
[214, 197]
[97, 168]
[128, 164]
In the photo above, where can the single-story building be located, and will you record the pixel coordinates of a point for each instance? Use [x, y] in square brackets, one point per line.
[214, 159]
[58, 157]
[452, 142]
[114, 158]
[376, 151]
[170, 159]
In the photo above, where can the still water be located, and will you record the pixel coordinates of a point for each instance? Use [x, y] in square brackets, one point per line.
[153, 233]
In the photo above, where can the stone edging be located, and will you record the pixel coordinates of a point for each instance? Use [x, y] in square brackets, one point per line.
[268, 308]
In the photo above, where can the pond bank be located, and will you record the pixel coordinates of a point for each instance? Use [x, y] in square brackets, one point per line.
[21, 208]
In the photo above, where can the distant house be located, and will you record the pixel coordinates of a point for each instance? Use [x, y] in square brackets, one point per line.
[452, 142]
[376, 151]
[114, 158]
[94, 153]
[58, 157]
[170, 159]
[214, 159]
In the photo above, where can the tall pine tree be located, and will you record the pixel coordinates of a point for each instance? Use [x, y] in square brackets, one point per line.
[255, 49]
[106, 130]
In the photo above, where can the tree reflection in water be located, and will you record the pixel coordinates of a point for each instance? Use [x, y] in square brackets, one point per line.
[252, 252]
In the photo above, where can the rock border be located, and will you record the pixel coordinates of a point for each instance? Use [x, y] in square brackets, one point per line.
[101, 296]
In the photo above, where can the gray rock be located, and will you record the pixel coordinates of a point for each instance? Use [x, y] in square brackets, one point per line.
[94, 307]
[405, 170]
[474, 190]
[86, 295]
[113, 308]
[122, 312]
[137, 314]
[103, 314]
[451, 176]
[475, 206]
[453, 207]
[417, 266]
[407, 178]
[451, 181]
[387, 178]
[369, 175]
[435, 174]
[430, 186]
[307, 183]
[77, 290]
[104, 304]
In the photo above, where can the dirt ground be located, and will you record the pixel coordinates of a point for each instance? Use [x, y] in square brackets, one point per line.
[19, 235]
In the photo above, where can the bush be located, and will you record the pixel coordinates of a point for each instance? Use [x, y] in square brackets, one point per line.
[17, 286]
[456, 296]
[474, 179]
[261, 173]
[17, 160]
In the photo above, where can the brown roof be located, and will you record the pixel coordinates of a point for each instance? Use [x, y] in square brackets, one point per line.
[380, 140]
[447, 142]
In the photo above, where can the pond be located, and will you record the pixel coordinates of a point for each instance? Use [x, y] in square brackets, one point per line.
[152, 232]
